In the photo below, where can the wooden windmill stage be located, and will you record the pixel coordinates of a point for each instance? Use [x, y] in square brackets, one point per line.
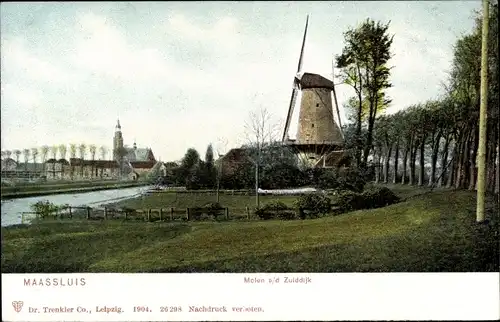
[319, 141]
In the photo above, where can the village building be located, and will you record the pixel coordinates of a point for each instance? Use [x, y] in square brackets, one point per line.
[127, 162]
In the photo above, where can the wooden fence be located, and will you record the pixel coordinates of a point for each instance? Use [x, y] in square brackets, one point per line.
[152, 214]
[203, 191]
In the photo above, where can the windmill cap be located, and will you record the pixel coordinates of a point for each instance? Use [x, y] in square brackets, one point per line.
[310, 80]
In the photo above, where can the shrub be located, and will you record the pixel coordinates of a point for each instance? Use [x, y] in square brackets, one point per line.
[350, 200]
[353, 180]
[372, 198]
[213, 208]
[340, 180]
[275, 209]
[380, 197]
[313, 205]
[210, 209]
[44, 208]
[328, 180]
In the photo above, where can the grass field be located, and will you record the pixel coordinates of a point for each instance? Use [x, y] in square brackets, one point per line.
[428, 232]
[194, 199]
[234, 202]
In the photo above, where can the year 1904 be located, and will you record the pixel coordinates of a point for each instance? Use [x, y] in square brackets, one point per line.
[170, 309]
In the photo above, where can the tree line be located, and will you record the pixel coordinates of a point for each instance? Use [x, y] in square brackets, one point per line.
[50, 153]
[434, 142]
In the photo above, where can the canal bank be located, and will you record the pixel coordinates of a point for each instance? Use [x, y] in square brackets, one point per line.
[45, 191]
[12, 208]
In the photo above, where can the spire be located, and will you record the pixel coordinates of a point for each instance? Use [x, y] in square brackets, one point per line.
[118, 127]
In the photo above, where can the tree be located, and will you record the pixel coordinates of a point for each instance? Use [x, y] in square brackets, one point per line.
[82, 149]
[363, 63]
[189, 169]
[72, 153]
[93, 151]
[6, 154]
[44, 151]
[221, 151]
[26, 153]
[62, 153]
[103, 151]
[34, 153]
[260, 131]
[53, 151]
[210, 172]
[481, 191]
[17, 153]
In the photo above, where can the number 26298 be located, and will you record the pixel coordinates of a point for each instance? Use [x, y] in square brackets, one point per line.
[170, 309]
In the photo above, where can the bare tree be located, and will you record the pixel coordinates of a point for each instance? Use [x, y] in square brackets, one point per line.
[17, 153]
[6, 155]
[104, 151]
[44, 151]
[260, 130]
[220, 149]
[34, 153]
[62, 153]
[3, 157]
[72, 153]
[53, 152]
[93, 150]
[82, 150]
[26, 154]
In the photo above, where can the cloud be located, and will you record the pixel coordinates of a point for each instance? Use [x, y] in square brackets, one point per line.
[17, 59]
[177, 77]
[103, 49]
[222, 36]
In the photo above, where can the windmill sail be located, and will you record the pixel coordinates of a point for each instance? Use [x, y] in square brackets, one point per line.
[335, 98]
[295, 85]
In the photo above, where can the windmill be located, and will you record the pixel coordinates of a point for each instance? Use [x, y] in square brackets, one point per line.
[319, 139]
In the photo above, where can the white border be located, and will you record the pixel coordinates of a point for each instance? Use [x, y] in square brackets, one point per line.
[346, 296]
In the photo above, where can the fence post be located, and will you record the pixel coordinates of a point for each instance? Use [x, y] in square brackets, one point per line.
[88, 213]
[126, 213]
[248, 212]
[161, 214]
[187, 214]
[70, 212]
[172, 213]
[105, 213]
[149, 214]
[226, 213]
[22, 218]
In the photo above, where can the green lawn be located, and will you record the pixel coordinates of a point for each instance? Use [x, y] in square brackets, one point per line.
[198, 199]
[430, 232]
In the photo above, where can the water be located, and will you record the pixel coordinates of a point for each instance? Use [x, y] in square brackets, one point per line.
[12, 208]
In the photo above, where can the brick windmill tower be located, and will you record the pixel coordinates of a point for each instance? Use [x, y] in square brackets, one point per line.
[319, 141]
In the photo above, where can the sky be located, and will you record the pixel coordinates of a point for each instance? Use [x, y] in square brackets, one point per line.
[182, 75]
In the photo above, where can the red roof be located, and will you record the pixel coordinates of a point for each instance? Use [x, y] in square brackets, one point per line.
[143, 164]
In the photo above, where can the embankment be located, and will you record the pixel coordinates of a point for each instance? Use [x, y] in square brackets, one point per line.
[44, 190]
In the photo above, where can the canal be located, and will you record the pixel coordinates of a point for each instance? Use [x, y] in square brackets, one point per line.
[12, 208]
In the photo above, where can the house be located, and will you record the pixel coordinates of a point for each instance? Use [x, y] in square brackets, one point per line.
[230, 162]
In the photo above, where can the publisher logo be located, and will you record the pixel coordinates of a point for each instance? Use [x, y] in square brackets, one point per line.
[18, 306]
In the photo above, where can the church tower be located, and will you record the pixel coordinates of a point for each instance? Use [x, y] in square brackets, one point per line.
[117, 140]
